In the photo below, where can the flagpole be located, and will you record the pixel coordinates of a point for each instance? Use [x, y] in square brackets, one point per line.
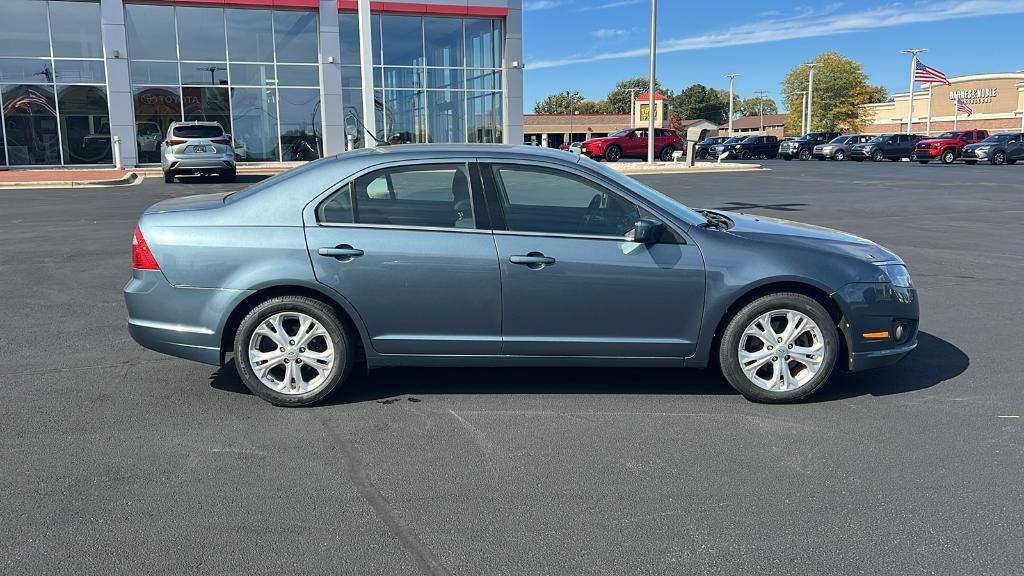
[910, 102]
[956, 111]
[928, 129]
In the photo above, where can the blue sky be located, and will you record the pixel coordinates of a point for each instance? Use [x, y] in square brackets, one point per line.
[589, 45]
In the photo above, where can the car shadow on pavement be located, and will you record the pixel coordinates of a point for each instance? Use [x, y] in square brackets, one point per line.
[934, 361]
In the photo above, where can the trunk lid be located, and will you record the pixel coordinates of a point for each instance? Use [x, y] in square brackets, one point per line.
[188, 203]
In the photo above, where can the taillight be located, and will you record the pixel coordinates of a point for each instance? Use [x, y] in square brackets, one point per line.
[170, 142]
[219, 140]
[142, 258]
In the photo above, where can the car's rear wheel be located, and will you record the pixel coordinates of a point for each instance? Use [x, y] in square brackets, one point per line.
[779, 348]
[168, 177]
[839, 155]
[948, 157]
[666, 153]
[745, 155]
[613, 153]
[998, 158]
[293, 351]
[805, 154]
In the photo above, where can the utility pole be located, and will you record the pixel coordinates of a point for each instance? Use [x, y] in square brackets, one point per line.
[1022, 111]
[910, 101]
[571, 96]
[632, 102]
[732, 78]
[650, 92]
[760, 107]
[810, 95]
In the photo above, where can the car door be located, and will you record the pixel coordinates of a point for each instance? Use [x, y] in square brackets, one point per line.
[572, 284]
[636, 143]
[410, 248]
[1015, 147]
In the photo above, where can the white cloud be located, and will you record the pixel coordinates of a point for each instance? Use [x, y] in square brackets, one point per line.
[618, 4]
[606, 33]
[531, 5]
[809, 24]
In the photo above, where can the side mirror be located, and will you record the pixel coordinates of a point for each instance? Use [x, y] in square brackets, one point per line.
[645, 231]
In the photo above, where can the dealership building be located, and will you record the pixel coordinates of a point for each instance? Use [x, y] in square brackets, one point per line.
[996, 102]
[283, 77]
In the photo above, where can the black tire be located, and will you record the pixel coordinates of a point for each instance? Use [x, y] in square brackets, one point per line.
[858, 159]
[1011, 162]
[613, 153]
[822, 159]
[970, 162]
[805, 155]
[745, 155]
[922, 161]
[728, 350]
[948, 156]
[229, 175]
[998, 158]
[877, 156]
[787, 158]
[839, 156]
[702, 155]
[168, 177]
[666, 153]
[342, 337]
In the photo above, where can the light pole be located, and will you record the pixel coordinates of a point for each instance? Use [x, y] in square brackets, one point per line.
[650, 91]
[810, 94]
[1022, 110]
[732, 78]
[570, 96]
[760, 107]
[910, 101]
[632, 102]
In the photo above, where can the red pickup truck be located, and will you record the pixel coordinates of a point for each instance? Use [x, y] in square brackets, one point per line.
[947, 147]
[632, 143]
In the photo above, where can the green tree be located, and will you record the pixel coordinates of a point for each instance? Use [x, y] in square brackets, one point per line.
[878, 94]
[563, 103]
[753, 106]
[699, 101]
[840, 88]
[619, 100]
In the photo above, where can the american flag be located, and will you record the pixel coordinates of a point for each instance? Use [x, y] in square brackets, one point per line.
[962, 106]
[923, 73]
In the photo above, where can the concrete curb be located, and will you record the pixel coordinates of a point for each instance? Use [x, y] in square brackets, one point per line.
[633, 169]
[129, 179]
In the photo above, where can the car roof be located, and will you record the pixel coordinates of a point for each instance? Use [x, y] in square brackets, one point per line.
[196, 123]
[416, 151]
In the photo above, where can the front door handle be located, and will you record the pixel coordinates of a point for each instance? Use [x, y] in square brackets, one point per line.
[342, 252]
[533, 260]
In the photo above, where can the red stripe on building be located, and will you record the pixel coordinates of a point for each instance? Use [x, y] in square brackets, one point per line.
[387, 7]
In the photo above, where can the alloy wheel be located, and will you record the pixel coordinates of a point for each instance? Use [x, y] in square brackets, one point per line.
[781, 350]
[998, 158]
[291, 353]
[839, 155]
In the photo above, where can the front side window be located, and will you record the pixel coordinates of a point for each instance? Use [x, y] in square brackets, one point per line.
[556, 202]
[428, 195]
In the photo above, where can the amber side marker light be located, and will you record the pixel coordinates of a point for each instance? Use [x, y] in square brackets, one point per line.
[875, 335]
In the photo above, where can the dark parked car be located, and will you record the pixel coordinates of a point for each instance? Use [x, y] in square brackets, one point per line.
[893, 147]
[756, 147]
[701, 150]
[997, 149]
[491, 255]
[632, 143]
[717, 150]
[947, 147]
[840, 146]
[803, 147]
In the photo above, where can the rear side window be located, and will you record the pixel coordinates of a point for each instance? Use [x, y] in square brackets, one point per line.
[552, 201]
[197, 132]
[434, 196]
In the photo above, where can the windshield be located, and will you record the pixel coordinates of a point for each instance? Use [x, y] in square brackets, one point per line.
[878, 139]
[732, 141]
[664, 202]
[749, 140]
[620, 133]
[840, 140]
[198, 131]
[808, 137]
[995, 138]
[949, 135]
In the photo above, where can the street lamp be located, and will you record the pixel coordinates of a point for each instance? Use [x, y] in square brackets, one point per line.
[650, 91]
[570, 96]
[1022, 110]
[810, 94]
[212, 70]
[910, 101]
[732, 78]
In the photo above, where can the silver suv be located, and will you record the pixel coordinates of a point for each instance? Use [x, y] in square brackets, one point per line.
[197, 148]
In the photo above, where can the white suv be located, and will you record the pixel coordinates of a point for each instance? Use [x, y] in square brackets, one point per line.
[197, 148]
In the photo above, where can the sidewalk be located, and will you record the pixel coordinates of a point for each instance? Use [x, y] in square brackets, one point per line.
[66, 178]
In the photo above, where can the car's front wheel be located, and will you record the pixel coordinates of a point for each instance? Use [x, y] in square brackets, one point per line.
[948, 157]
[779, 348]
[293, 351]
[839, 156]
[613, 153]
[878, 156]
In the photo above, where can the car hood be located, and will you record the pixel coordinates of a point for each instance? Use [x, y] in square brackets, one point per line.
[931, 141]
[980, 144]
[767, 229]
[598, 141]
[187, 203]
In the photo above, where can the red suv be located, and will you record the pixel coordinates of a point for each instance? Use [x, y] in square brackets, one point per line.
[948, 146]
[632, 143]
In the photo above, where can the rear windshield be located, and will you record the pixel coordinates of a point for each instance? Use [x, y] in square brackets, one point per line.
[198, 132]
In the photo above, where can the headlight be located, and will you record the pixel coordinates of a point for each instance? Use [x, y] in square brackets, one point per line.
[897, 274]
[869, 148]
[981, 149]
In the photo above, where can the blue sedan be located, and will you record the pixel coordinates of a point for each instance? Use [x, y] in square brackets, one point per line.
[470, 255]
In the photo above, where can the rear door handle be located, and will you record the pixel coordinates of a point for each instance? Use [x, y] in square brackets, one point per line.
[342, 252]
[533, 260]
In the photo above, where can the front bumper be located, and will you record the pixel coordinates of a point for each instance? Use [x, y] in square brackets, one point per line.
[926, 154]
[179, 321]
[971, 154]
[873, 308]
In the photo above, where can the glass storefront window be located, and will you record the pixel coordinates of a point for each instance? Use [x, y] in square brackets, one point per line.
[403, 40]
[79, 71]
[295, 37]
[17, 70]
[254, 114]
[296, 75]
[301, 136]
[84, 125]
[207, 105]
[165, 73]
[200, 33]
[483, 43]
[348, 26]
[155, 108]
[151, 34]
[30, 124]
[250, 35]
[23, 29]
[204, 73]
[447, 110]
[405, 116]
[484, 115]
[443, 38]
[253, 75]
[75, 28]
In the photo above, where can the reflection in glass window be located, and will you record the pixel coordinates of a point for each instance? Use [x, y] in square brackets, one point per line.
[204, 73]
[208, 105]
[155, 108]
[200, 33]
[75, 28]
[30, 121]
[300, 124]
[18, 70]
[447, 111]
[84, 124]
[403, 77]
[483, 43]
[351, 77]
[254, 113]
[253, 74]
[79, 71]
[403, 40]
[154, 72]
[484, 114]
[250, 35]
[436, 196]
[404, 116]
[445, 78]
[444, 41]
[352, 100]
[297, 75]
[151, 32]
[23, 29]
[348, 27]
[295, 34]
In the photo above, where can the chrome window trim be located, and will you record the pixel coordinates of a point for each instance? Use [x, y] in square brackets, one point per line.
[562, 235]
[401, 227]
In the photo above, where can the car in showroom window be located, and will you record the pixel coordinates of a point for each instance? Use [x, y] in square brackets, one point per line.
[471, 255]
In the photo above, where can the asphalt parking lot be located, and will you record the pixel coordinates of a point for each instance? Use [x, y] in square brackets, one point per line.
[119, 460]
